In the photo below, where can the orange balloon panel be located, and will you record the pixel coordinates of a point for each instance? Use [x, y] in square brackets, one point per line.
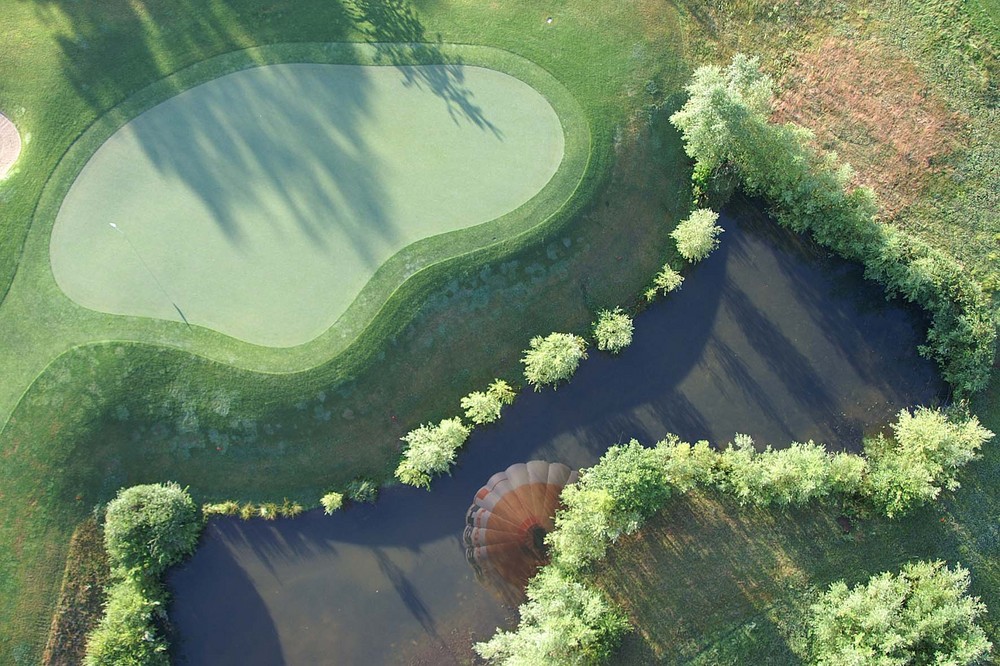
[507, 523]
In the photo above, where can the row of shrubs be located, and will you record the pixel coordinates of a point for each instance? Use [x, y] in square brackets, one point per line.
[725, 125]
[147, 528]
[567, 622]
[548, 361]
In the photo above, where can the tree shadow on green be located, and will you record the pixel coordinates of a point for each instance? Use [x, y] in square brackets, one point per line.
[393, 28]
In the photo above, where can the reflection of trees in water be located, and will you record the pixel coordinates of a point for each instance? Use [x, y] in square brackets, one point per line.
[507, 523]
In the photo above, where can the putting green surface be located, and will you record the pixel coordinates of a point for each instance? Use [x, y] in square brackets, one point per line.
[259, 204]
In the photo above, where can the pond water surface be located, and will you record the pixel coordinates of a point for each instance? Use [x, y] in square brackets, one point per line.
[768, 337]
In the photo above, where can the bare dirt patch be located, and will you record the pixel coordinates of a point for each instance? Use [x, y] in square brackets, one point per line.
[10, 145]
[869, 103]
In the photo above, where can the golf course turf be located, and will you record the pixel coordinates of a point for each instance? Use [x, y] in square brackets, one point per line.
[260, 203]
[90, 401]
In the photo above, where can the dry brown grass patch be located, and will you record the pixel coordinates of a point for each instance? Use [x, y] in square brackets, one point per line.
[81, 598]
[869, 103]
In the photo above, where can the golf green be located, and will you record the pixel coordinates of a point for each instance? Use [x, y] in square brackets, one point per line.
[259, 204]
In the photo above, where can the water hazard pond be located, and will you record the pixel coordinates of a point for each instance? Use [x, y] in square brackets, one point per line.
[768, 337]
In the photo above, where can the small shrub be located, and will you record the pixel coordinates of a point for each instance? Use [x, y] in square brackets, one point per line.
[149, 527]
[553, 359]
[129, 633]
[248, 510]
[430, 450]
[481, 408]
[502, 391]
[666, 281]
[332, 502]
[698, 235]
[289, 509]
[484, 407]
[920, 616]
[227, 508]
[362, 490]
[613, 330]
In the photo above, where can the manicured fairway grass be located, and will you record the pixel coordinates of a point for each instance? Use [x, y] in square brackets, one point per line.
[260, 203]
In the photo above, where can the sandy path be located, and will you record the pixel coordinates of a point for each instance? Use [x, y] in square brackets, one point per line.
[10, 145]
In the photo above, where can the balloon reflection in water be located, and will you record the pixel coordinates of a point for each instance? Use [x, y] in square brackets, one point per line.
[507, 523]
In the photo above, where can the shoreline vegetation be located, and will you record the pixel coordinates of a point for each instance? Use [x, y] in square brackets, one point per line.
[39, 522]
[726, 126]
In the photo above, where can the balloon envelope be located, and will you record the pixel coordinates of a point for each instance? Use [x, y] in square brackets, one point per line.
[507, 523]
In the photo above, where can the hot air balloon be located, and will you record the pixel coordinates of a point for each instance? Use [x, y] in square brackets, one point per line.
[507, 523]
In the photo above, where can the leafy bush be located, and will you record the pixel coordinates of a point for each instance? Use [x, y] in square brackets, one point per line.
[725, 121]
[502, 391]
[362, 490]
[633, 476]
[431, 450]
[483, 407]
[698, 235]
[583, 527]
[686, 467]
[227, 508]
[563, 623]
[795, 475]
[268, 511]
[923, 457]
[613, 330]
[611, 498]
[130, 631]
[666, 281]
[553, 359]
[920, 616]
[149, 527]
[331, 502]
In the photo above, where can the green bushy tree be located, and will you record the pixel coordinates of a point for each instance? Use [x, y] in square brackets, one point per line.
[430, 450]
[922, 458]
[563, 623]
[130, 633]
[482, 407]
[553, 359]
[149, 527]
[698, 235]
[794, 475]
[613, 330]
[611, 498]
[685, 466]
[666, 281]
[331, 502]
[920, 616]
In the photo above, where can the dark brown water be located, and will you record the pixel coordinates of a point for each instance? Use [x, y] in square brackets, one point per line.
[767, 337]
